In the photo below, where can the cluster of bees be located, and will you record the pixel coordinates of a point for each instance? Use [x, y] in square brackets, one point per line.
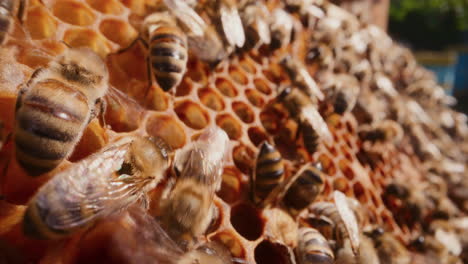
[358, 69]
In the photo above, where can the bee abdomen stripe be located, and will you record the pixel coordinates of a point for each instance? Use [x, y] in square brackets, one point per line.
[166, 67]
[271, 174]
[41, 129]
[316, 242]
[167, 52]
[319, 258]
[266, 162]
[173, 37]
[40, 153]
[311, 177]
[59, 111]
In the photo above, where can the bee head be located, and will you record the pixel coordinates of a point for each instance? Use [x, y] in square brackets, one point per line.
[397, 190]
[375, 233]
[82, 65]
[284, 93]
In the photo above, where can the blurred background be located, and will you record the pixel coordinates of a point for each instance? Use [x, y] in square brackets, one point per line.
[436, 30]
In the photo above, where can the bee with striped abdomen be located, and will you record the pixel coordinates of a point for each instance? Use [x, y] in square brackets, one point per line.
[281, 28]
[226, 18]
[167, 49]
[383, 131]
[189, 209]
[345, 226]
[389, 249]
[311, 124]
[312, 247]
[301, 78]
[99, 185]
[54, 107]
[268, 173]
[343, 91]
[255, 17]
[8, 9]
[306, 185]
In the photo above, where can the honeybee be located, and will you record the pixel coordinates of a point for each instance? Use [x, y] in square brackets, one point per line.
[302, 109]
[322, 54]
[54, 107]
[255, 17]
[202, 38]
[281, 29]
[188, 209]
[343, 92]
[211, 252]
[382, 83]
[435, 249]
[410, 206]
[305, 186]
[313, 247]
[96, 187]
[383, 131]
[345, 226]
[268, 173]
[167, 60]
[389, 249]
[9, 8]
[301, 78]
[139, 238]
[227, 20]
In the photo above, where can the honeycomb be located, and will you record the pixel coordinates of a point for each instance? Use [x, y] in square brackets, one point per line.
[238, 96]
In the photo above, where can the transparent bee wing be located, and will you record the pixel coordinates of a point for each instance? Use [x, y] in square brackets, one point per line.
[89, 189]
[208, 47]
[205, 157]
[311, 116]
[232, 25]
[263, 31]
[156, 245]
[187, 16]
[349, 219]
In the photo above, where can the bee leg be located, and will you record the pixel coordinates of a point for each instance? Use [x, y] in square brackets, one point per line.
[21, 10]
[98, 111]
[102, 106]
[145, 202]
[299, 131]
[150, 76]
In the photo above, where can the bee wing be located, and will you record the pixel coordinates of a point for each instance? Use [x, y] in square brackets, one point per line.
[156, 245]
[310, 115]
[280, 191]
[207, 47]
[232, 25]
[187, 16]
[263, 29]
[349, 219]
[88, 190]
[311, 85]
